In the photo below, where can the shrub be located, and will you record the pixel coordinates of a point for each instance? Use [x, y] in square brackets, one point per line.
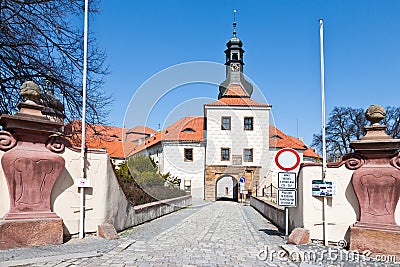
[142, 184]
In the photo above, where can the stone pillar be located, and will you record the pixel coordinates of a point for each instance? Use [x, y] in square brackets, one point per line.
[31, 167]
[376, 182]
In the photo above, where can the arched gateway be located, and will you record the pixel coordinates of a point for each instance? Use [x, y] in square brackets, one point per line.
[218, 178]
[227, 187]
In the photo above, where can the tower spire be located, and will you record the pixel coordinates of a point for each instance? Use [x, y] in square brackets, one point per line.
[234, 22]
[234, 62]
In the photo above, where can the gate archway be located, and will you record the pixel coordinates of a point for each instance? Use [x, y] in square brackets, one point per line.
[227, 188]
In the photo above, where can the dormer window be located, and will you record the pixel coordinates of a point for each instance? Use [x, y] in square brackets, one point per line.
[188, 130]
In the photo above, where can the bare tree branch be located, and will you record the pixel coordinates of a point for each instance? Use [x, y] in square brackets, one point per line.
[38, 37]
[346, 124]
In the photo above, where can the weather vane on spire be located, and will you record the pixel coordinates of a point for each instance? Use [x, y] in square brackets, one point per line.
[234, 22]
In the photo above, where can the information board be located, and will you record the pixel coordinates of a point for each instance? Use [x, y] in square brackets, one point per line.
[287, 198]
[321, 188]
[287, 180]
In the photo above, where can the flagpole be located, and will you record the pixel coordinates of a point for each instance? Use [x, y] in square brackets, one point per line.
[321, 33]
[83, 155]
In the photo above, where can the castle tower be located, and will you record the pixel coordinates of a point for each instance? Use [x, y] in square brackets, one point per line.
[237, 132]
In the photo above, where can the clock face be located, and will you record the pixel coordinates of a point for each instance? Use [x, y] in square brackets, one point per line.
[235, 66]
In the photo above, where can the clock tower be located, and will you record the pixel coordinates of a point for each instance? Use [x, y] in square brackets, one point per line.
[234, 65]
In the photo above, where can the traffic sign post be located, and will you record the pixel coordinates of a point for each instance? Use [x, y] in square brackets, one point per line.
[287, 198]
[242, 181]
[287, 159]
[287, 180]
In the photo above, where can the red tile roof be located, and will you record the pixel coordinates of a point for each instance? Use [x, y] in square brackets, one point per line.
[310, 152]
[101, 137]
[138, 132]
[235, 90]
[280, 140]
[237, 101]
[277, 139]
[186, 129]
[235, 95]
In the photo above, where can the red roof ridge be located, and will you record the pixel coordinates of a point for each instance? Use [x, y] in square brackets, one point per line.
[237, 101]
[235, 90]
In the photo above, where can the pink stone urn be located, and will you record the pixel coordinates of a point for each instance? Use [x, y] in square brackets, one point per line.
[31, 163]
[376, 180]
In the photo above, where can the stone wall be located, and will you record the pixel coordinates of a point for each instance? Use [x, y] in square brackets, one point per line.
[273, 212]
[150, 211]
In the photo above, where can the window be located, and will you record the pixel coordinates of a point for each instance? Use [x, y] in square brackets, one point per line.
[188, 154]
[225, 154]
[235, 56]
[248, 123]
[225, 123]
[248, 154]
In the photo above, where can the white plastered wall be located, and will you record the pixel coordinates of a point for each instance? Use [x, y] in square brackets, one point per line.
[237, 139]
[175, 163]
[102, 198]
[342, 209]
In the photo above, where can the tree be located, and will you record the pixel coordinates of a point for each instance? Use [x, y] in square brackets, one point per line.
[346, 124]
[42, 41]
[141, 163]
[145, 173]
[392, 121]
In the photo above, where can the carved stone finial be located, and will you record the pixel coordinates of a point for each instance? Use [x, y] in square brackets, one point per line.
[375, 114]
[31, 91]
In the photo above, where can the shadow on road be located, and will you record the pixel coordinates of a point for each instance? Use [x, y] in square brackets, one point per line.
[271, 232]
[225, 199]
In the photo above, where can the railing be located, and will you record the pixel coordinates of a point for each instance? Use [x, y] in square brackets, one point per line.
[270, 191]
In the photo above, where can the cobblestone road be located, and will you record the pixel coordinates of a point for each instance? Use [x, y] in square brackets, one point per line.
[216, 234]
[222, 233]
[213, 234]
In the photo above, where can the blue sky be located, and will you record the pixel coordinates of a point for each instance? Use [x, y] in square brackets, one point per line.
[281, 40]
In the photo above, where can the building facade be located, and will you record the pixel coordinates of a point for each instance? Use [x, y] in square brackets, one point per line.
[233, 140]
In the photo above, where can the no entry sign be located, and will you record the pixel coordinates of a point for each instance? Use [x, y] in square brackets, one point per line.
[287, 159]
